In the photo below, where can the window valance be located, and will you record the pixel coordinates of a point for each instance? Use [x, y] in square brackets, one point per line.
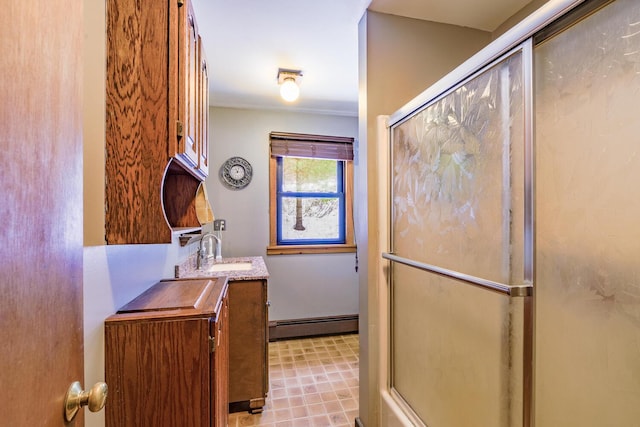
[311, 146]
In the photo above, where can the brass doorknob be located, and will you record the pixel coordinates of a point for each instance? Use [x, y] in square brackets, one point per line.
[77, 398]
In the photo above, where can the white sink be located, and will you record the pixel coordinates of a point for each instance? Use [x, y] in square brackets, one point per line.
[230, 266]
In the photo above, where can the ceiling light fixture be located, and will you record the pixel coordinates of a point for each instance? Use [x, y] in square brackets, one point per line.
[289, 81]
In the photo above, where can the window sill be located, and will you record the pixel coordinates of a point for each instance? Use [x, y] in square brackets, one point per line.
[310, 249]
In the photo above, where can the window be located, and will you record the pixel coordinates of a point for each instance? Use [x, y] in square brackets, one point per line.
[311, 186]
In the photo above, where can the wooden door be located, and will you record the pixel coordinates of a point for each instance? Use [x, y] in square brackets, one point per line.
[41, 335]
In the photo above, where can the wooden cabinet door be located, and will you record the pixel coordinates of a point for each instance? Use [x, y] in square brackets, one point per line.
[41, 339]
[159, 371]
[220, 368]
[203, 116]
[141, 116]
[189, 69]
[248, 359]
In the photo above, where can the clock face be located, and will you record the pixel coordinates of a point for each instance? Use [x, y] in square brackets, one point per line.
[235, 173]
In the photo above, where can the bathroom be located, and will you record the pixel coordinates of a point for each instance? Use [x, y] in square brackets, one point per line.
[113, 275]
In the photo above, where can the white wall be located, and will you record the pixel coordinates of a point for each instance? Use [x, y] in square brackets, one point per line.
[299, 285]
[114, 275]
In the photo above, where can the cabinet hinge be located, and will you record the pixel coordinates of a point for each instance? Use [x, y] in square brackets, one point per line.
[180, 129]
[212, 344]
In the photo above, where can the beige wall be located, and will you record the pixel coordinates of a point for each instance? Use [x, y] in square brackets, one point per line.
[399, 58]
[517, 17]
[300, 286]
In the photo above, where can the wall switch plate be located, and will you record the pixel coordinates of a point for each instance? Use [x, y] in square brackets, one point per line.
[219, 225]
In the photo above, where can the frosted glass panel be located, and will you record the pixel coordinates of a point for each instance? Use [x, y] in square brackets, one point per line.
[458, 178]
[588, 222]
[457, 351]
[458, 185]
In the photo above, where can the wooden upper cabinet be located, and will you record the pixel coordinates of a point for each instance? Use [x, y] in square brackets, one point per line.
[153, 142]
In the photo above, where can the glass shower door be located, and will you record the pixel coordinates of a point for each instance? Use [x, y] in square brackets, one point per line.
[587, 81]
[461, 251]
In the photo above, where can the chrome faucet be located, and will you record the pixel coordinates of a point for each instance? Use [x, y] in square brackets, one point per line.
[209, 253]
[218, 252]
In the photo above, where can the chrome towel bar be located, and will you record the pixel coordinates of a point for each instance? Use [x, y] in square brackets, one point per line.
[510, 290]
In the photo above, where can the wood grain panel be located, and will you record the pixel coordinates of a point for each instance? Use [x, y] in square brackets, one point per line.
[247, 340]
[179, 194]
[203, 117]
[160, 377]
[167, 296]
[41, 330]
[188, 74]
[137, 120]
[220, 399]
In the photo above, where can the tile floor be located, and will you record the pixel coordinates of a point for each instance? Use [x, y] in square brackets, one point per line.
[313, 383]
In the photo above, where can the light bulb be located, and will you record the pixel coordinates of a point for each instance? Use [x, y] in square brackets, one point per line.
[289, 90]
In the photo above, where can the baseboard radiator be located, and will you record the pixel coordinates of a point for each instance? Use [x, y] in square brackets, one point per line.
[312, 327]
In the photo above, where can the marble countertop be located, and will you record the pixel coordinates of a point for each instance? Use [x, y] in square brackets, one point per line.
[258, 271]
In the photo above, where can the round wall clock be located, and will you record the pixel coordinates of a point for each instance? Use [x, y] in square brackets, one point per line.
[235, 173]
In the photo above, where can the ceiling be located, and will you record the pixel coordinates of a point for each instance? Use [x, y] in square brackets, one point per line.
[247, 41]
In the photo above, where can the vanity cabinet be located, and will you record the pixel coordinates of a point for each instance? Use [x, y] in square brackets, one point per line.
[248, 327]
[166, 356]
[156, 120]
[248, 340]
